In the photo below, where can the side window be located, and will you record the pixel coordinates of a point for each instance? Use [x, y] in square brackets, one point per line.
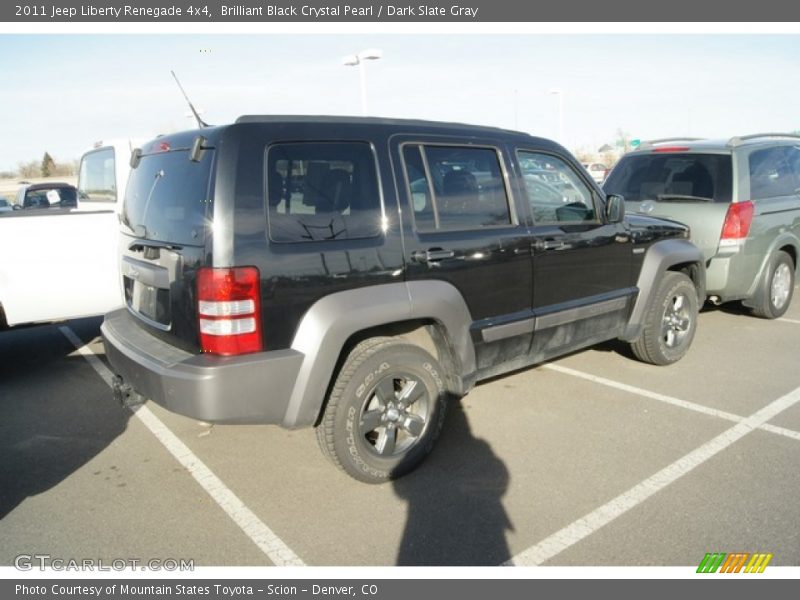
[770, 174]
[456, 188]
[97, 177]
[793, 157]
[322, 191]
[555, 192]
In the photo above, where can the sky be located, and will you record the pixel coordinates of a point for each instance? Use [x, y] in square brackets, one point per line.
[61, 93]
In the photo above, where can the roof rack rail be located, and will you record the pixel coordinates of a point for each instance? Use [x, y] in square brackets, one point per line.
[648, 143]
[739, 139]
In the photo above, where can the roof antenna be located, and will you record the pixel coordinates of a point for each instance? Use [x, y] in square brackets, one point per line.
[200, 122]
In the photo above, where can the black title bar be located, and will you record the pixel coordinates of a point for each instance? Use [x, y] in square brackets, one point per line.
[427, 11]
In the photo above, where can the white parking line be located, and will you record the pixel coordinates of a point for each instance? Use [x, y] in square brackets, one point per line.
[587, 525]
[713, 412]
[785, 320]
[253, 527]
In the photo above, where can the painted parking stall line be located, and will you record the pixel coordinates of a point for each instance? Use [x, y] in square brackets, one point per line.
[253, 527]
[605, 514]
[706, 410]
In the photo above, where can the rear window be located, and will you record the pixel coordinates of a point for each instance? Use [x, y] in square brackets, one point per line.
[322, 191]
[167, 197]
[656, 176]
[50, 197]
[97, 179]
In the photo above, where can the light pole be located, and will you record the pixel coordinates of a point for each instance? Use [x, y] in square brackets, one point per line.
[560, 94]
[353, 60]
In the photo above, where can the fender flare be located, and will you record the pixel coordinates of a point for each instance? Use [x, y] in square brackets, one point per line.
[332, 320]
[786, 239]
[660, 257]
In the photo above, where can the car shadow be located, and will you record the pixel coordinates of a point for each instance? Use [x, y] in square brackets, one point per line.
[455, 510]
[55, 412]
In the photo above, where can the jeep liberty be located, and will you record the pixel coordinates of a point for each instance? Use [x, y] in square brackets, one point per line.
[353, 274]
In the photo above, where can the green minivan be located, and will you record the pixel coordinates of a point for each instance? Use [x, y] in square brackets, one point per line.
[741, 199]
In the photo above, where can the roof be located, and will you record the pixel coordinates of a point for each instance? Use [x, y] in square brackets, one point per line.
[391, 126]
[48, 186]
[720, 144]
[400, 123]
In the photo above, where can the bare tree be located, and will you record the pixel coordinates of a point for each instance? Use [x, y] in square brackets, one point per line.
[32, 168]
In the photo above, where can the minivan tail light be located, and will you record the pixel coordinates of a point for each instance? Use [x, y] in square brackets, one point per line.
[737, 222]
[229, 310]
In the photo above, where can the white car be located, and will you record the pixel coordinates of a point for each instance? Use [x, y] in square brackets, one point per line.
[598, 171]
[5, 205]
[71, 251]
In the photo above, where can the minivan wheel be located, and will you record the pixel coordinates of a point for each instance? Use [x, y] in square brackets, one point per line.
[385, 411]
[670, 322]
[777, 288]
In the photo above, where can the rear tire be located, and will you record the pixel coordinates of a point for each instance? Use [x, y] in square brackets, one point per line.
[670, 322]
[777, 287]
[385, 411]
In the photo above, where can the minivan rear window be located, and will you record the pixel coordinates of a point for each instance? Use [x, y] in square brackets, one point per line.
[672, 176]
[168, 197]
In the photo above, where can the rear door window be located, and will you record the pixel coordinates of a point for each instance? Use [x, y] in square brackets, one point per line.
[321, 191]
[672, 176]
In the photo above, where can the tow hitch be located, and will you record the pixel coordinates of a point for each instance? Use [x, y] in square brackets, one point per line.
[124, 394]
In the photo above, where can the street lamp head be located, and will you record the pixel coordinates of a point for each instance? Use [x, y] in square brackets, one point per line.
[370, 54]
[351, 60]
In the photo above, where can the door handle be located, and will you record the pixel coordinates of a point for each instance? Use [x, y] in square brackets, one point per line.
[541, 245]
[432, 255]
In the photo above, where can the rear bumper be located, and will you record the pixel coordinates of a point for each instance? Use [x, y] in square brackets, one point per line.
[252, 388]
[729, 277]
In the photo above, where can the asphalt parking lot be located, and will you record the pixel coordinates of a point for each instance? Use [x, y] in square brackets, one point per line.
[594, 459]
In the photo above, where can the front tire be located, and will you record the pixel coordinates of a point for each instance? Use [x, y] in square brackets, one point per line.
[670, 322]
[385, 411]
[777, 288]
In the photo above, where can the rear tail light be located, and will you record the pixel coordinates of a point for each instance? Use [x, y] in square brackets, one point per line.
[671, 149]
[229, 310]
[737, 223]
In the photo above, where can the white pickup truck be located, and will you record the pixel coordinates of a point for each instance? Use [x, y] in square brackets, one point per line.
[58, 264]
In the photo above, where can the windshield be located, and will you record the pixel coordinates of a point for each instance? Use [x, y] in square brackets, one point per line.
[167, 198]
[96, 179]
[664, 176]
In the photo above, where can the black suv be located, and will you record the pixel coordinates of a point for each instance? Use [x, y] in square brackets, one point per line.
[352, 274]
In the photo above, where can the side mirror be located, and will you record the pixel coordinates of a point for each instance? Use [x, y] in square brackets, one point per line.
[615, 208]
